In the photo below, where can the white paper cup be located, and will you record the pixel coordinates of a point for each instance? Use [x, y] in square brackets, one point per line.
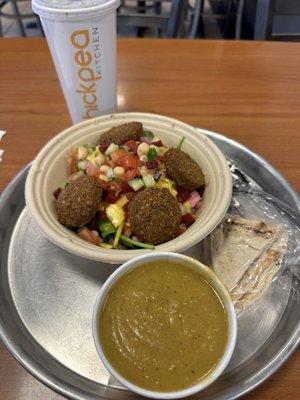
[81, 36]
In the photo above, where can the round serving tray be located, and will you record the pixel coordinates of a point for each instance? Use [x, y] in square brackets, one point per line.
[47, 295]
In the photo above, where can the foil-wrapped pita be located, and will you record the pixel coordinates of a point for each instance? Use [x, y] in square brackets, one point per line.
[245, 255]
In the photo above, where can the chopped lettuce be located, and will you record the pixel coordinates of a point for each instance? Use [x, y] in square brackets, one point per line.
[115, 214]
[92, 156]
[165, 183]
[106, 228]
[122, 201]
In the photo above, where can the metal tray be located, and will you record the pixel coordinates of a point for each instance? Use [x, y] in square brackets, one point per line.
[47, 295]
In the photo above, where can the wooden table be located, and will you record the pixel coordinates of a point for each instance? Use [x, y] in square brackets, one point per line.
[249, 91]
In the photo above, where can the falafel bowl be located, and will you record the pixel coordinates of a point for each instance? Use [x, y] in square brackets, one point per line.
[116, 186]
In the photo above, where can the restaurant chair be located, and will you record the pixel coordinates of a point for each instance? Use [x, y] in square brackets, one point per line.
[145, 14]
[227, 12]
[16, 15]
[277, 20]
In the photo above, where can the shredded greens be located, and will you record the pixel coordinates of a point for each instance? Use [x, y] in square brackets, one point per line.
[180, 143]
[152, 154]
[107, 228]
[118, 234]
[148, 134]
[132, 242]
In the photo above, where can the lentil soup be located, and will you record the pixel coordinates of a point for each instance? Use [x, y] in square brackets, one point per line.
[163, 327]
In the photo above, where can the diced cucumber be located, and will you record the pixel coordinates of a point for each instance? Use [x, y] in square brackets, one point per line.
[136, 184]
[111, 148]
[149, 181]
[81, 165]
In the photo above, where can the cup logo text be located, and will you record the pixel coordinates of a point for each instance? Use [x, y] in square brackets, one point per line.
[87, 76]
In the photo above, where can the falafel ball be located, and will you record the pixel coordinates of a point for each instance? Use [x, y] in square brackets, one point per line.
[154, 215]
[120, 134]
[78, 202]
[183, 170]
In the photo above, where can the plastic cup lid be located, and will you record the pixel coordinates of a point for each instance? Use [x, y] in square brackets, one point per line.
[73, 8]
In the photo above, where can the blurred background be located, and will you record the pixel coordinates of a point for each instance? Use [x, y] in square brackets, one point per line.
[207, 19]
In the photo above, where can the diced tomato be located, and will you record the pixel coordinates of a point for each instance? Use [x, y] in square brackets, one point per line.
[116, 187]
[194, 199]
[129, 162]
[92, 225]
[72, 164]
[127, 231]
[158, 143]
[89, 236]
[131, 145]
[111, 163]
[126, 188]
[161, 157]
[102, 215]
[92, 170]
[130, 195]
[182, 228]
[130, 174]
[184, 195]
[152, 164]
[111, 198]
[187, 219]
[118, 155]
[141, 163]
[103, 147]
[104, 185]
[57, 191]
[198, 205]
[145, 139]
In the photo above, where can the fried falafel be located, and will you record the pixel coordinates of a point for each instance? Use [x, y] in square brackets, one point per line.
[78, 202]
[183, 170]
[120, 134]
[154, 215]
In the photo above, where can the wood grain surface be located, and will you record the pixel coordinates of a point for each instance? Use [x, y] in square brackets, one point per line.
[249, 91]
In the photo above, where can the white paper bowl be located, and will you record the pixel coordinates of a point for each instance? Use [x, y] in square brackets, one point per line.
[210, 277]
[49, 170]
